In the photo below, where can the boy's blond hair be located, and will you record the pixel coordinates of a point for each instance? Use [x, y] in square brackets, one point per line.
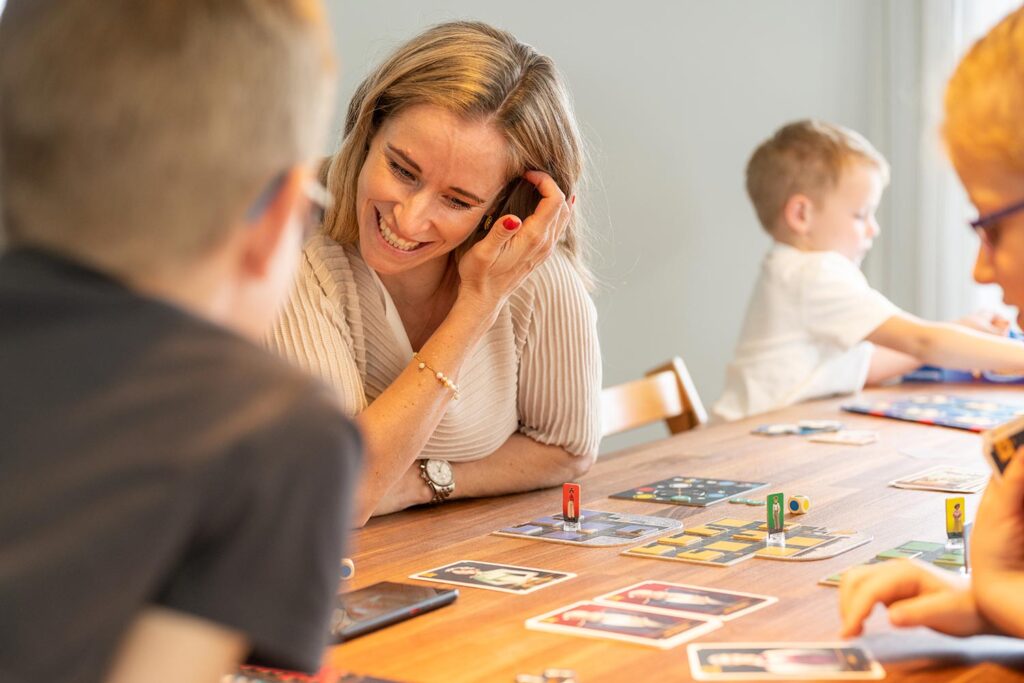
[135, 133]
[805, 157]
[985, 98]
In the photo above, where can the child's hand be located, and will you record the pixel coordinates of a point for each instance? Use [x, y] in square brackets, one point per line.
[916, 594]
[986, 321]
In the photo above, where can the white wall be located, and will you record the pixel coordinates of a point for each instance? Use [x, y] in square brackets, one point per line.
[673, 97]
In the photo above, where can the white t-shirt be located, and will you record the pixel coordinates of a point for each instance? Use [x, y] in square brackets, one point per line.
[803, 336]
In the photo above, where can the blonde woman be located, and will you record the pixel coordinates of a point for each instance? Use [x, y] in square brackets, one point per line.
[446, 300]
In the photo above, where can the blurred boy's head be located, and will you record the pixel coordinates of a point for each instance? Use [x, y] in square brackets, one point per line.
[985, 138]
[136, 136]
[816, 186]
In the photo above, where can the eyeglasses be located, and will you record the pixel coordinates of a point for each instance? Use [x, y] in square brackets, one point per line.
[988, 226]
[320, 200]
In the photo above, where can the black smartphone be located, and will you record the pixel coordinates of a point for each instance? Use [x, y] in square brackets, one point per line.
[374, 607]
[519, 198]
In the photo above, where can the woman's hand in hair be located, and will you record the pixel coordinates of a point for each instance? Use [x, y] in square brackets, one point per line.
[513, 248]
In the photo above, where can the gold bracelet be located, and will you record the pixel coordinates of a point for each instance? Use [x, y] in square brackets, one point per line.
[440, 376]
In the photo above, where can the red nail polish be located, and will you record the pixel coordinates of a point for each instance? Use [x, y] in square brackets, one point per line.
[510, 223]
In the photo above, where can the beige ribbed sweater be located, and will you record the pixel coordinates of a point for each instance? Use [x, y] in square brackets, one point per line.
[536, 371]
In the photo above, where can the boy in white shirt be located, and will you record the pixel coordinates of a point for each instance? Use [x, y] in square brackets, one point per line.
[814, 326]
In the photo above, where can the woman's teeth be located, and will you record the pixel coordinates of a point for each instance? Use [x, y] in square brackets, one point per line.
[393, 239]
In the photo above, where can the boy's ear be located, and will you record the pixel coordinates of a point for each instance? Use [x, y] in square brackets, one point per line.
[266, 234]
[797, 213]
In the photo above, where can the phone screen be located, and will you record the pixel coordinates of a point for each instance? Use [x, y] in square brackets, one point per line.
[382, 604]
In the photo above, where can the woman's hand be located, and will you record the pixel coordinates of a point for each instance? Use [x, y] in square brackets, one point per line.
[916, 594]
[513, 248]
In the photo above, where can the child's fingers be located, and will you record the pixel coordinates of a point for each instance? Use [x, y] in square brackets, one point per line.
[863, 587]
[949, 612]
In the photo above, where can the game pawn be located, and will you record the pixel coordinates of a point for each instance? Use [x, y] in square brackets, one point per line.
[776, 520]
[571, 507]
[956, 518]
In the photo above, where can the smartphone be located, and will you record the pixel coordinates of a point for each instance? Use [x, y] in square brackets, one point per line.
[374, 607]
[519, 198]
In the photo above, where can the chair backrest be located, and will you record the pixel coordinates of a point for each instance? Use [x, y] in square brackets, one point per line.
[665, 393]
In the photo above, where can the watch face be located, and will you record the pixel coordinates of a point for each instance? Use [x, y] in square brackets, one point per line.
[440, 472]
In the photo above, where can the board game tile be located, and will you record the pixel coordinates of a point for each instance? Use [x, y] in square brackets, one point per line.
[750, 535]
[897, 554]
[730, 522]
[764, 526]
[680, 539]
[701, 555]
[804, 541]
[727, 546]
[655, 549]
[643, 496]
[774, 551]
[921, 546]
[704, 531]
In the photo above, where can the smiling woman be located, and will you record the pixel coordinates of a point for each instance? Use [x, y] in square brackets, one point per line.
[446, 300]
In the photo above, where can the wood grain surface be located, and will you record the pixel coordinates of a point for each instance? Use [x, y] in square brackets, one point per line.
[481, 637]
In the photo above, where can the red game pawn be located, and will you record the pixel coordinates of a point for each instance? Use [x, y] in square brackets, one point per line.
[571, 506]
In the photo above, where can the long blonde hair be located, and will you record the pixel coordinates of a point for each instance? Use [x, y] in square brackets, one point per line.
[477, 72]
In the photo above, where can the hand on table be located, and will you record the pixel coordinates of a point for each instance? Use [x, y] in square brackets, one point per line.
[916, 595]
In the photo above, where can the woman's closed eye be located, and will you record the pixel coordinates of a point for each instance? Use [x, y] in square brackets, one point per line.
[401, 172]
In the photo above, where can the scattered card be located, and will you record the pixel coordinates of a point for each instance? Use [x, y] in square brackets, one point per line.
[847, 437]
[782, 662]
[507, 578]
[678, 598]
[944, 478]
[1001, 443]
[801, 428]
[644, 627]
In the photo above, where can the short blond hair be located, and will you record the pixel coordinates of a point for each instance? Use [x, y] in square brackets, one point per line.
[805, 157]
[135, 133]
[985, 98]
[479, 73]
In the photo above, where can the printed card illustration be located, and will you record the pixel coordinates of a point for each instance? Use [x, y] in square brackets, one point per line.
[944, 478]
[594, 620]
[506, 578]
[678, 598]
[692, 491]
[782, 662]
[1000, 444]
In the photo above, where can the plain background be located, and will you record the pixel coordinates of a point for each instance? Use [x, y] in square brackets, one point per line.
[672, 98]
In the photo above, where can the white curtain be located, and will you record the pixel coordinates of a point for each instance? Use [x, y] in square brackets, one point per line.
[925, 255]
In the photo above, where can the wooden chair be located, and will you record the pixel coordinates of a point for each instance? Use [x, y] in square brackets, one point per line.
[665, 393]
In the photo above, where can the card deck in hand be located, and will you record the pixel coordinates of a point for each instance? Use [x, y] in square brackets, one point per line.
[1000, 444]
[507, 578]
[678, 598]
[944, 478]
[644, 627]
[782, 662]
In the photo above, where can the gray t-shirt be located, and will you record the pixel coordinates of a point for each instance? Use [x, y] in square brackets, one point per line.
[151, 458]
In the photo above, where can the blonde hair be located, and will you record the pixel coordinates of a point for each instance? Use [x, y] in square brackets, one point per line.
[805, 157]
[985, 98]
[476, 72]
[135, 134]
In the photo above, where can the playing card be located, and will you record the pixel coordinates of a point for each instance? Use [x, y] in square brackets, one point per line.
[848, 437]
[800, 428]
[594, 620]
[507, 578]
[678, 598]
[1001, 443]
[782, 662]
[944, 478]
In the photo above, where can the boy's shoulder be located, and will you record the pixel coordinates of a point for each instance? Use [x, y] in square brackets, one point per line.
[802, 268]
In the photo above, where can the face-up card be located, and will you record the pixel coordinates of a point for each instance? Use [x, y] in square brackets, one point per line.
[944, 478]
[678, 598]
[1001, 443]
[782, 662]
[847, 437]
[594, 620]
[507, 578]
[799, 428]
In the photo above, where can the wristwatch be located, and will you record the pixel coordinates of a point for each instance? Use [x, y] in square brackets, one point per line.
[439, 477]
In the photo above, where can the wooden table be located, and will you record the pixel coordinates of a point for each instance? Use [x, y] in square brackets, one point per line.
[481, 637]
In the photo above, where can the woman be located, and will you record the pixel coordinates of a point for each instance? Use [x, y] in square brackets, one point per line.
[983, 131]
[446, 305]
